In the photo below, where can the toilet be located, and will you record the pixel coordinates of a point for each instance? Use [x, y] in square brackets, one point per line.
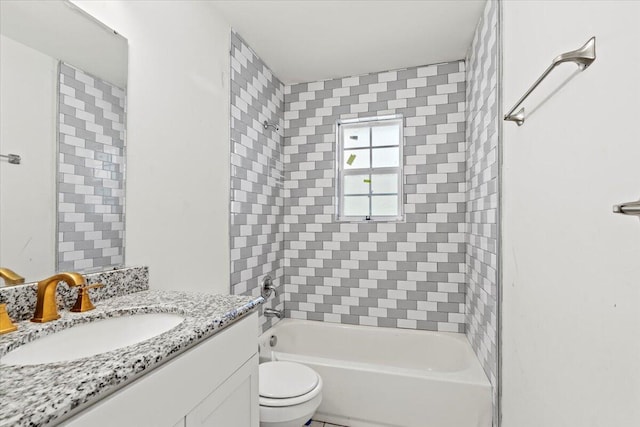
[290, 394]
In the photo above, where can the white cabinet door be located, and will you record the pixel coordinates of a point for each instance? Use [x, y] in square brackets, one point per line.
[233, 404]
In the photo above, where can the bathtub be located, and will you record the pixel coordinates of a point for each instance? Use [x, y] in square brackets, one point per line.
[376, 377]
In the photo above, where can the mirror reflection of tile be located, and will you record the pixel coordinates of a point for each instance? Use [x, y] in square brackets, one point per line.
[91, 171]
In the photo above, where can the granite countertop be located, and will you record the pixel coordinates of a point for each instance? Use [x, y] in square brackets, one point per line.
[41, 394]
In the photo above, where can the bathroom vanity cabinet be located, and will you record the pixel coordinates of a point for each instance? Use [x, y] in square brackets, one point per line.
[214, 383]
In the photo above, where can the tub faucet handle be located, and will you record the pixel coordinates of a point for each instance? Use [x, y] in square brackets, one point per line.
[268, 287]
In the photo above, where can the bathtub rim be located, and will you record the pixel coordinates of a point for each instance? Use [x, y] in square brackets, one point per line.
[473, 374]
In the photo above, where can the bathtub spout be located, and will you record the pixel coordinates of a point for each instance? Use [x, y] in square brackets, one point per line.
[270, 312]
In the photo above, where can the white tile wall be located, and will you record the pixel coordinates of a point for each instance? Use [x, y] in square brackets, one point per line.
[482, 194]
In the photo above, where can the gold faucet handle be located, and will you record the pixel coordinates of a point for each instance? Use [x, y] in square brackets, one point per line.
[6, 325]
[11, 277]
[83, 303]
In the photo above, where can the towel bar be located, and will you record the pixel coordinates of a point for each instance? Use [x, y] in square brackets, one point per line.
[583, 57]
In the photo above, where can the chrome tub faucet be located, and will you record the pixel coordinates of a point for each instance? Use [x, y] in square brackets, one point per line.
[270, 312]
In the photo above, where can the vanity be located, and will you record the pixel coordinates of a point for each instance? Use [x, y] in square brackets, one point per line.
[201, 371]
[212, 383]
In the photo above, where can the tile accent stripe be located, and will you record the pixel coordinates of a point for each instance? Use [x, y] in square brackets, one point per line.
[394, 274]
[257, 177]
[482, 195]
[91, 153]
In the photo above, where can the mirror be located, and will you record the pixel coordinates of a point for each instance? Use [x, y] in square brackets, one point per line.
[63, 78]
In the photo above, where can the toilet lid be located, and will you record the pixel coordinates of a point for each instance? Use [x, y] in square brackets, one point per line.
[284, 380]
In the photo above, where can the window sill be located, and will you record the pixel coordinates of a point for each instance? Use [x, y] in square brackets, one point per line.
[361, 220]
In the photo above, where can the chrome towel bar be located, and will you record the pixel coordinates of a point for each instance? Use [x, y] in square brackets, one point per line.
[14, 159]
[583, 57]
[631, 208]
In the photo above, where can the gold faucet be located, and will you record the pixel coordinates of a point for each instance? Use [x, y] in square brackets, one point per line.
[11, 277]
[46, 306]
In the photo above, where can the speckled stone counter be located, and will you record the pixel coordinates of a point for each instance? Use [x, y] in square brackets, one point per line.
[44, 394]
[21, 299]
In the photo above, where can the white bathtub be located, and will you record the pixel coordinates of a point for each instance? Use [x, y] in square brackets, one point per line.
[387, 377]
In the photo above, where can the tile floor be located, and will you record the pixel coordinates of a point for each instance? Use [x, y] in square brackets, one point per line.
[323, 424]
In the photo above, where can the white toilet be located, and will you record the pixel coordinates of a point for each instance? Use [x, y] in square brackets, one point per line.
[290, 394]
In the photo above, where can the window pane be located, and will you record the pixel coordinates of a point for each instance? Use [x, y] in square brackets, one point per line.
[356, 205]
[384, 205]
[386, 135]
[386, 157]
[356, 159]
[356, 137]
[385, 183]
[357, 184]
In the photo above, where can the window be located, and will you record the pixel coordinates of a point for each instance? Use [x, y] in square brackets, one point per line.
[369, 169]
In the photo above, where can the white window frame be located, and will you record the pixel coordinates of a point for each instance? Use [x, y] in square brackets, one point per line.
[341, 172]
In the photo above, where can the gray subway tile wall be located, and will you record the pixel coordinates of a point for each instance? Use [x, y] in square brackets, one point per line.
[408, 274]
[482, 195]
[257, 177]
[91, 152]
[437, 269]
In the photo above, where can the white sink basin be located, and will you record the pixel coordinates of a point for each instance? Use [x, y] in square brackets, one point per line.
[92, 338]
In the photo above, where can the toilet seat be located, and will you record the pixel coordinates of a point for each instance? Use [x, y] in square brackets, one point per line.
[287, 383]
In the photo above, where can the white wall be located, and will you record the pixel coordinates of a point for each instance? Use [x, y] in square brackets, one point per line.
[177, 200]
[27, 191]
[571, 280]
[70, 37]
